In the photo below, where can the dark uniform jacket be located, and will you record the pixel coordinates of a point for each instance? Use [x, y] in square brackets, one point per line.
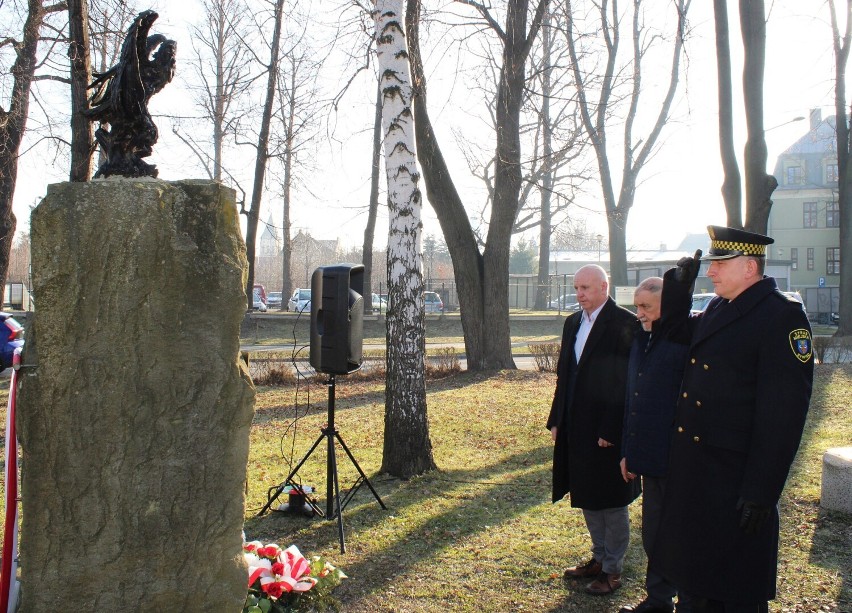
[740, 416]
[654, 375]
[589, 404]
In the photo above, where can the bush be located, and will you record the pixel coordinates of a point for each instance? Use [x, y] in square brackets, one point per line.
[832, 349]
[546, 355]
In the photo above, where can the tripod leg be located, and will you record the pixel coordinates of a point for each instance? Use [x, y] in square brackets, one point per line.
[332, 469]
[360, 472]
[290, 476]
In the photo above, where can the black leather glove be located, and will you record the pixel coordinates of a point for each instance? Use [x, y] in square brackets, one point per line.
[687, 269]
[752, 516]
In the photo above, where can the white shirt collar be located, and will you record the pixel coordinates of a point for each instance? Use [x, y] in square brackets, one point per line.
[591, 317]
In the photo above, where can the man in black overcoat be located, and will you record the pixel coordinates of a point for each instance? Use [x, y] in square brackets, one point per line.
[586, 420]
[739, 421]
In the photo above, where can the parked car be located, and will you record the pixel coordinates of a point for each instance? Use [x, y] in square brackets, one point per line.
[275, 299]
[257, 301]
[700, 302]
[433, 302]
[565, 302]
[300, 301]
[379, 304]
[11, 337]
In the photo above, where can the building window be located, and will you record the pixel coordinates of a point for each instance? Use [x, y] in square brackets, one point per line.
[831, 175]
[794, 258]
[795, 176]
[832, 214]
[810, 215]
[832, 261]
[810, 258]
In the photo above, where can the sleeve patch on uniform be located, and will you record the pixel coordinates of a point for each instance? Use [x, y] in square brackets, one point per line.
[801, 343]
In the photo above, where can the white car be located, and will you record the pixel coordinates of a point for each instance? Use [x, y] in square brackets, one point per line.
[700, 302]
[432, 302]
[257, 302]
[300, 301]
[565, 302]
[379, 304]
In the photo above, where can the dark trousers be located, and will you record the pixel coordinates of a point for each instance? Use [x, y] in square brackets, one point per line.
[661, 593]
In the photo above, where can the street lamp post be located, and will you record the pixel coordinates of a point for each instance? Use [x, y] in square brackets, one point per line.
[600, 239]
[789, 121]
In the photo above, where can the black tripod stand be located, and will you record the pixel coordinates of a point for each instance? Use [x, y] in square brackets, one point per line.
[334, 506]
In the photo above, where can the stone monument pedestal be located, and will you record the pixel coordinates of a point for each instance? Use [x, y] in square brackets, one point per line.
[134, 411]
[836, 490]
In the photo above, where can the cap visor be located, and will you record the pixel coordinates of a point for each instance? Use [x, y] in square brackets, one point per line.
[727, 256]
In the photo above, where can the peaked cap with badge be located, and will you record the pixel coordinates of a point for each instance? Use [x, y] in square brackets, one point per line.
[728, 243]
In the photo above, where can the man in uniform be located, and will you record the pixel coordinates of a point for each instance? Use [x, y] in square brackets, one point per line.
[585, 423]
[739, 421]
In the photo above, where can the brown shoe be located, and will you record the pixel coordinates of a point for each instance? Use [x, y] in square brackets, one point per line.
[604, 583]
[590, 569]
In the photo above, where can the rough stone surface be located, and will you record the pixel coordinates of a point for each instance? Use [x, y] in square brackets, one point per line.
[836, 491]
[135, 419]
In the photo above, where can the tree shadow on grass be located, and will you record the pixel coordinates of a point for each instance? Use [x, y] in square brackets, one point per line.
[426, 517]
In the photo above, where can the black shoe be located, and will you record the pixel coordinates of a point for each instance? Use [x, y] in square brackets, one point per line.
[645, 607]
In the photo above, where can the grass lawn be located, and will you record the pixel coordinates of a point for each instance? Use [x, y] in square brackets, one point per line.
[480, 535]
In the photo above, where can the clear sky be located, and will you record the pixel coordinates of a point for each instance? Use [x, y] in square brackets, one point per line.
[679, 190]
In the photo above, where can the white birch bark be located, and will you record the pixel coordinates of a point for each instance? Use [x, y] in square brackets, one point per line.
[407, 448]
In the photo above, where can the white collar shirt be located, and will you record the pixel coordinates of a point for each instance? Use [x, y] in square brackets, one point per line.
[587, 320]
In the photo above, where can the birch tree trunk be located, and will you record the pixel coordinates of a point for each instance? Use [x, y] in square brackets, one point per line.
[407, 447]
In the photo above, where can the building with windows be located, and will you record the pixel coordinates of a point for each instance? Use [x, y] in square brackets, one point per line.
[805, 215]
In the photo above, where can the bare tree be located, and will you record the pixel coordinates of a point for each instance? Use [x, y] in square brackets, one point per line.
[731, 186]
[407, 447]
[293, 132]
[598, 116]
[262, 147]
[481, 278]
[82, 139]
[221, 66]
[844, 162]
[373, 208]
[14, 112]
[759, 184]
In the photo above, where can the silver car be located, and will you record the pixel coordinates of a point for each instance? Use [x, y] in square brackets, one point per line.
[300, 301]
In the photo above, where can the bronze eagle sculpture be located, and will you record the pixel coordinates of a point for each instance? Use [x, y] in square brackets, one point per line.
[120, 101]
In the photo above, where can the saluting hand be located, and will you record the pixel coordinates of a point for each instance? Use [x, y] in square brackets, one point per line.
[687, 268]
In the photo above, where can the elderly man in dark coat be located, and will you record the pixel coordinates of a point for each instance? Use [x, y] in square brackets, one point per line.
[654, 374]
[585, 422]
[739, 421]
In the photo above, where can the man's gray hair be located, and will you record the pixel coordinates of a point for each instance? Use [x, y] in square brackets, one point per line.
[651, 284]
